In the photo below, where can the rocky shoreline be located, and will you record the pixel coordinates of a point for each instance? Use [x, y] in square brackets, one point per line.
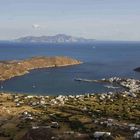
[10, 69]
[110, 116]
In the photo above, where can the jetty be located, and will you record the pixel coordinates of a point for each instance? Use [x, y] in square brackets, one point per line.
[88, 80]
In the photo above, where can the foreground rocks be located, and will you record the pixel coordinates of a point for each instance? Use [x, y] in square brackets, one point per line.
[9, 69]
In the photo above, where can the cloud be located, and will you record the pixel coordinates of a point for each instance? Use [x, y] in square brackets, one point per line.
[35, 26]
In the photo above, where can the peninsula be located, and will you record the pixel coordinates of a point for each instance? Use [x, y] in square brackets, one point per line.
[9, 69]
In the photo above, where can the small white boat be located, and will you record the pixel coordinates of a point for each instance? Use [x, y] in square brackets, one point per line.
[33, 86]
[1, 86]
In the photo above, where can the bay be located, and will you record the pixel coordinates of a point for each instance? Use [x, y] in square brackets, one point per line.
[102, 59]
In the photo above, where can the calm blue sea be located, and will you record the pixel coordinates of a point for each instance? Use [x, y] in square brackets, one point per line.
[101, 60]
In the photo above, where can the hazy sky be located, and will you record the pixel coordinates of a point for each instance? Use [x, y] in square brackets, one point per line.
[98, 19]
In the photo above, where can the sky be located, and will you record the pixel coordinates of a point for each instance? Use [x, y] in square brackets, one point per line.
[96, 19]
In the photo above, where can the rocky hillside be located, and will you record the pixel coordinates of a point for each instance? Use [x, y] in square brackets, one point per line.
[9, 69]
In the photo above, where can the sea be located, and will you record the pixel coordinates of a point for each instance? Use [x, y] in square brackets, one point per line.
[101, 59]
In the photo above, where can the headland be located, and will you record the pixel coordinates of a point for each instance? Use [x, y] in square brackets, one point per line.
[9, 69]
[137, 69]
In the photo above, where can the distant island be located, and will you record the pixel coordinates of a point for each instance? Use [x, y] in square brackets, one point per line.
[9, 69]
[59, 38]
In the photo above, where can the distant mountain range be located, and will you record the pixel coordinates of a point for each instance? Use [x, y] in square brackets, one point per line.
[59, 38]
